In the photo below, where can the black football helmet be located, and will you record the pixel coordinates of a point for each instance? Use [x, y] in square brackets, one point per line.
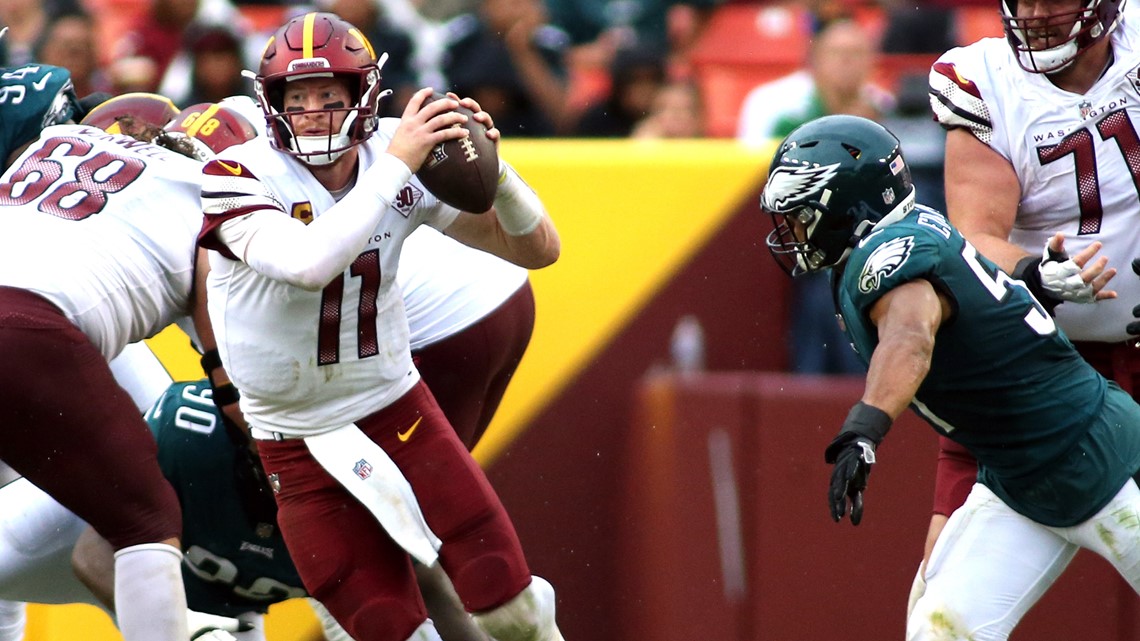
[831, 181]
[320, 45]
[1049, 43]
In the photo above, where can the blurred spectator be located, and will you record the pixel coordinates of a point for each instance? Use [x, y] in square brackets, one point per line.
[677, 112]
[835, 80]
[142, 55]
[513, 64]
[209, 66]
[918, 28]
[599, 28]
[68, 41]
[637, 73]
[26, 21]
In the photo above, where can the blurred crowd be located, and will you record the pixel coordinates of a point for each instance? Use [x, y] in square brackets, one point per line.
[584, 68]
[557, 68]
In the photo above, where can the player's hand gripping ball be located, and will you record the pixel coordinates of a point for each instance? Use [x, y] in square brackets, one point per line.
[463, 173]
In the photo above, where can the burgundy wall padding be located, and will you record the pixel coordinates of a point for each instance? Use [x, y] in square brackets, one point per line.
[805, 577]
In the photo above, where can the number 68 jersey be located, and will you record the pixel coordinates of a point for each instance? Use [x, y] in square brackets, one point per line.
[1077, 157]
[104, 227]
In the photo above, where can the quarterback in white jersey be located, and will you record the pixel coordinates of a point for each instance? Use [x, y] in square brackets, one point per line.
[305, 228]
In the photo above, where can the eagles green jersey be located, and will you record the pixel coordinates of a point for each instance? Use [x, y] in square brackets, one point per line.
[230, 565]
[1052, 437]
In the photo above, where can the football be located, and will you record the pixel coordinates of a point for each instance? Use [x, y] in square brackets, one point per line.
[463, 173]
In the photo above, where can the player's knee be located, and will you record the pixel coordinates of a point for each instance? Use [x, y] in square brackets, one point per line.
[933, 619]
[529, 616]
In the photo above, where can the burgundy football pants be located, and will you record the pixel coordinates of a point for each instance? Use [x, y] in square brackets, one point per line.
[346, 559]
[67, 426]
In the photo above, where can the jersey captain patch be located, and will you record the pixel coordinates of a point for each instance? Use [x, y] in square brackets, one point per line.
[885, 260]
[791, 184]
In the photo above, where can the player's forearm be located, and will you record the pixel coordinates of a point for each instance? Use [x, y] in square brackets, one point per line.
[898, 367]
[310, 256]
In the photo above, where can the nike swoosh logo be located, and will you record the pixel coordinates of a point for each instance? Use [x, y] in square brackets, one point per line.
[42, 82]
[235, 170]
[405, 435]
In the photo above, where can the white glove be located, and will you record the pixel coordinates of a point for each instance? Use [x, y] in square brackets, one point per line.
[1061, 277]
[213, 635]
[201, 623]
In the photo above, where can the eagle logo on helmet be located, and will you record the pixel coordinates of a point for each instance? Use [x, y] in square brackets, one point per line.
[793, 184]
[885, 260]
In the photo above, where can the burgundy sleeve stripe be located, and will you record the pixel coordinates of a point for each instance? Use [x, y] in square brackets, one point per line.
[948, 70]
[208, 237]
[961, 113]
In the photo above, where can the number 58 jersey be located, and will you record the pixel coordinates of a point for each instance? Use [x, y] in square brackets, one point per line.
[1077, 157]
[104, 227]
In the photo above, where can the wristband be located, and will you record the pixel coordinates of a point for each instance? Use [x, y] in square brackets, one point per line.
[867, 421]
[519, 209]
[1028, 271]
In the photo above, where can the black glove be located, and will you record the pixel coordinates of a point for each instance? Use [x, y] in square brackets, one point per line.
[1134, 327]
[1028, 271]
[852, 452]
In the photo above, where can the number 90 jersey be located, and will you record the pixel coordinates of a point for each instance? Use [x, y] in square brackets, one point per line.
[230, 565]
[104, 227]
[1077, 157]
[1004, 381]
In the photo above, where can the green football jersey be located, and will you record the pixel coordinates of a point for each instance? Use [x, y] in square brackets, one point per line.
[1052, 437]
[230, 564]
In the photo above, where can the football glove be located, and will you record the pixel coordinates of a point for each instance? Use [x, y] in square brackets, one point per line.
[1053, 279]
[852, 452]
[203, 624]
[1134, 327]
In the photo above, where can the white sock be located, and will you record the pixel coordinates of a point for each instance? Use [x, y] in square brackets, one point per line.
[150, 601]
[13, 617]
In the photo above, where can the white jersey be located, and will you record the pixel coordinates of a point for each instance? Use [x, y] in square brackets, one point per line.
[308, 362]
[448, 286]
[103, 226]
[1077, 158]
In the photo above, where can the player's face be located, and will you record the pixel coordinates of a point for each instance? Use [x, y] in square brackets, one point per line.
[311, 97]
[1042, 32]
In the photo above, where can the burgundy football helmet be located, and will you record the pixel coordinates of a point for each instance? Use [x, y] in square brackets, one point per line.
[134, 111]
[210, 128]
[320, 45]
[1050, 43]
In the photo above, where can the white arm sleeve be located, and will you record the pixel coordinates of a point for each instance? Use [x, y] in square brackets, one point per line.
[310, 256]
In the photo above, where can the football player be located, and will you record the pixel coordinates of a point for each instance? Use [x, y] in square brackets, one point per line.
[98, 253]
[947, 332]
[305, 228]
[1040, 147]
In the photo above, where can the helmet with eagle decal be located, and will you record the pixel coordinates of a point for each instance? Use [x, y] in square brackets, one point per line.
[830, 183]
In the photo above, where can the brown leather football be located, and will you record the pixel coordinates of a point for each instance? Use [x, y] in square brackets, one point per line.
[463, 173]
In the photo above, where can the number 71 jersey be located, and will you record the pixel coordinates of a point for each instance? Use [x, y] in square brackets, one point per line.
[1077, 157]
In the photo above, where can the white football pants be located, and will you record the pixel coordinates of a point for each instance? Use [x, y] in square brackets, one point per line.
[991, 564]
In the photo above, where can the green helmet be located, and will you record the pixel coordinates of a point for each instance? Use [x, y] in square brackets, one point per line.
[32, 97]
[831, 181]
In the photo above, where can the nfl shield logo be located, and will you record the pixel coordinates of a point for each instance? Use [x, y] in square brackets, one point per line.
[888, 196]
[362, 469]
